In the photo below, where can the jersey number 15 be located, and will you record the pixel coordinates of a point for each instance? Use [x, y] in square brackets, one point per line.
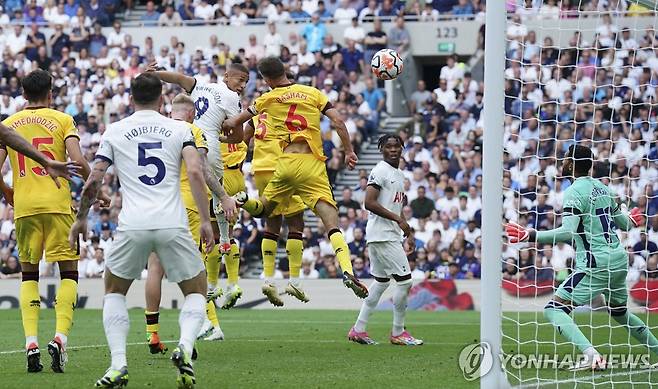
[38, 170]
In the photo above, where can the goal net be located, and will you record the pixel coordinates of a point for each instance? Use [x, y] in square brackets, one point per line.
[579, 72]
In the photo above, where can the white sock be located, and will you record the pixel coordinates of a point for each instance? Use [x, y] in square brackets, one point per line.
[222, 223]
[212, 286]
[116, 323]
[31, 339]
[191, 319]
[62, 337]
[376, 291]
[590, 353]
[400, 306]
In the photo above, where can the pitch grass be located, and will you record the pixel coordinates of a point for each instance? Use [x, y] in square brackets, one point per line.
[308, 349]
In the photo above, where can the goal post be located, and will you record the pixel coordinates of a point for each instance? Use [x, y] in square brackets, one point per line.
[492, 191]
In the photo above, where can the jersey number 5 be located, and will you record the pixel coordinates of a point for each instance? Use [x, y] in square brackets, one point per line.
[143, 160]
[295, 122]
[38, 170]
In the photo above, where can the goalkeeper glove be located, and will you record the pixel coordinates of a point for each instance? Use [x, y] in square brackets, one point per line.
[516, 233]
[636, 216]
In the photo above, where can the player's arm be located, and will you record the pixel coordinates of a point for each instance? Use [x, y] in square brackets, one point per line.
[626, 220]
[7, 191]
[372, 205]
[232, 135]
[248, 132]
[186, 82]
[74, 152]
[55, 169]
[197, 184]
[565, 233]
[87, 198]
[239, 119]
[228, 203]
[350, 157]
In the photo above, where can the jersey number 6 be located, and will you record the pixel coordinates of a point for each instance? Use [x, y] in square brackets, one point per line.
[295, 122]
[143, 160]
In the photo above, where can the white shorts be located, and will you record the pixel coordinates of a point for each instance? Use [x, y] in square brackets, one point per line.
[175, 248]
[387, 258]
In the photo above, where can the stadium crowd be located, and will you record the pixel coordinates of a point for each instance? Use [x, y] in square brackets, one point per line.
[593, 94]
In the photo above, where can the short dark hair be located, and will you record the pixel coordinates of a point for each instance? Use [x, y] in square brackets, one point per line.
[145, 89]
[271, 67]
[238, 67]
[582, 159]
[36, 85]
[384, 139]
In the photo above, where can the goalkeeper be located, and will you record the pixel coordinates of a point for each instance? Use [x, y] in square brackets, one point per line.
[590, 216]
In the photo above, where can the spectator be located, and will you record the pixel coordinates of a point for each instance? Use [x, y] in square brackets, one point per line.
[238, 18]
[360, 269]
[151, 16]
[296, 11]
[452, 73]
[115, 40]
[422, 206]
[71, 8]
[356, 33]
[347, 203]
[375, 99]
[204, 11]
[344, 13]
[374, 41]
[398, 36]
[308, 272]
[419, 97]
[11, 268]
[463, 8]
[314, 33]
[58, 41]
[96, 267]
[97, 13]
[272, 41]
[186, 10]
[170, 18]
[358, 245]
[369, 13]
[253, 49]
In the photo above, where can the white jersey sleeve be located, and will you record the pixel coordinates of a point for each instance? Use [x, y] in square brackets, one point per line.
[146, 150]
[390, 183]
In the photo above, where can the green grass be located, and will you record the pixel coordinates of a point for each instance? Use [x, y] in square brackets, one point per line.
[306, 349]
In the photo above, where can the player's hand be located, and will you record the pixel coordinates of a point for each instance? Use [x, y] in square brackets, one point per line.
[207, 236]
[229, 206]
[406, 229]
[103, 199]
[351, 159]
[516, 233]
[409, 245]
[153, 67]
[636, 216]
[8, 193]
[78, 228]
[67, 170]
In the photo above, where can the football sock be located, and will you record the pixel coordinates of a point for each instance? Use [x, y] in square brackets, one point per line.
[294, 249]
[377, 289]
[636, 327]
[268, 248]
[30, 303]
[211, 313]
[254, 207]
[152, 322]
[191, 319]
[212, 260]
[558, 314]
[65, 301]
[116, 323]
[342, 251]
[400, 306]
[232, 260]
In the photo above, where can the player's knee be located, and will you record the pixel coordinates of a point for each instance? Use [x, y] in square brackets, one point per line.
[553, 306]
[271, 236]
[617, 311]
[30, 276]
[402, 280]
[382, 280]
[294, 235]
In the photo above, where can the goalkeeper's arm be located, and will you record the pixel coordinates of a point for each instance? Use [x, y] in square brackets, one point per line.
[564, 233]
[626, 220]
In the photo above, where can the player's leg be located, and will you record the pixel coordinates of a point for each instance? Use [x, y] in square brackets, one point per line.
[182, 262]
[233, 183]
[574, 291]
[212, 261]
[153, 294]
[358, 332]
[29, 236]
[57, 249]
[617, 298]
[294, 250]
[125, 262]
[269, 245]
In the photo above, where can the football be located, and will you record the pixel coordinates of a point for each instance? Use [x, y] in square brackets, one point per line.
[386, 64]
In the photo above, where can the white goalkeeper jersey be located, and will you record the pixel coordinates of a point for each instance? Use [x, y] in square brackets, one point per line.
[214, 103]
[146, 150]
[390, 182]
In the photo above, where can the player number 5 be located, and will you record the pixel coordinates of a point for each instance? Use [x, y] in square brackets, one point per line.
[143, 160]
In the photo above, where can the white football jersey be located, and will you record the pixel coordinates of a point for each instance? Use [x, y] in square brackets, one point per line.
[390, 182]
[214, 103]
[146, 150]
